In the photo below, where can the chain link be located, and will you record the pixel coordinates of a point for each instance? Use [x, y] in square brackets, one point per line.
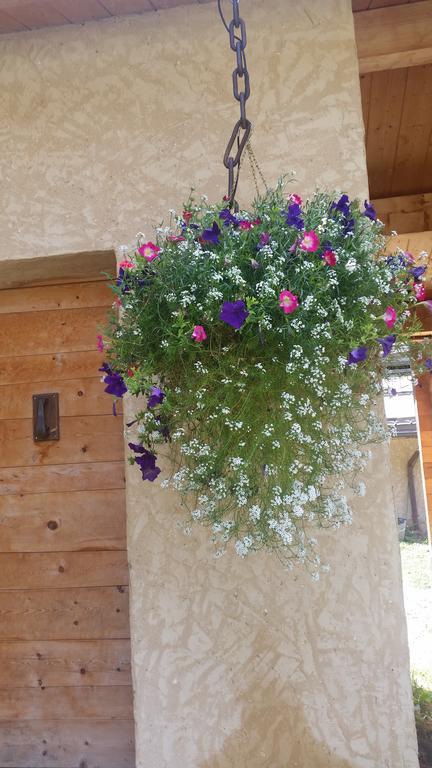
[241, 90]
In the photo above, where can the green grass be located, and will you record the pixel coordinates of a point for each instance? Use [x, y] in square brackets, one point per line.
[416, 563]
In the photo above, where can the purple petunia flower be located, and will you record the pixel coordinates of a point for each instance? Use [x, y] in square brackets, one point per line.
[387, 343]
[114, 381]
[156, 397]
[349, 225]
[264, 240]
[228, 218]
[211, 235]
[417, 272]
[234, 313]
[369, 211]
[342, 205]
[146, 462]
[294, 216]
[428, 363]
[357, 355]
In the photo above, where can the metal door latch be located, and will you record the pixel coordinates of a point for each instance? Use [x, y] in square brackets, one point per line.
[46, 417]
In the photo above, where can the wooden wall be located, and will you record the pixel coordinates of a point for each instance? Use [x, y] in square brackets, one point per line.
[423, 394]
[65, 683]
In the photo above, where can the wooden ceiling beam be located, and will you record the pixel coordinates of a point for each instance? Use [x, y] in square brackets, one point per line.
[394, 37]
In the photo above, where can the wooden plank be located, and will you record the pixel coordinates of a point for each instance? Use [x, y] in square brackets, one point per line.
[45, 664]
[415, 130]
[394, 37]
[42, 368]
[100, 702]
[68, 296]
[79, 397]
[65, 614]
[405, 213]
[37, 15]
[63, 744]
[83, 439]
[53, 570]
[66, 330]
[60, 522]
[385, 111]
[62, 478]
[79, 11]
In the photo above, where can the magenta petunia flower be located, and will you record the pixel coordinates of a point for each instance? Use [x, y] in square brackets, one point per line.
[309, 241]
[149, 251]
[176, 238]
[419, 291]
[264, 240]
[244, 224]
[100, 344]
[295, 199]
[126, 264]
[390, 317]
[288, 302]
[330, 257]
[199, 333]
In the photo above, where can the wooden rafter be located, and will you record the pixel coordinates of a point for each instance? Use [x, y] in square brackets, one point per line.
[394, 37]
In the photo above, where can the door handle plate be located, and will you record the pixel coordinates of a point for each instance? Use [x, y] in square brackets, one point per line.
[46, 417]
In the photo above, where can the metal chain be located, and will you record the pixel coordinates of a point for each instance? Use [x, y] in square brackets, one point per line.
[241, 89]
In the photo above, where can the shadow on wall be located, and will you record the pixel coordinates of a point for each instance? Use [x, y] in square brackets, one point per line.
[273, 735]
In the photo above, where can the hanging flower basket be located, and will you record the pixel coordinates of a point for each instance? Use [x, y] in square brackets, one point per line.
[259, 339]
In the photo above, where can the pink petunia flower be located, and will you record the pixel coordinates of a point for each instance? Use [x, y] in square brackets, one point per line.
[390, 317]
[100, 344]
[199, 333]
[295, 199]
[420, 291]
[176, 238]
[309, 241]
[149, 251]
[288, 302]
[126, 264]
[330, 257]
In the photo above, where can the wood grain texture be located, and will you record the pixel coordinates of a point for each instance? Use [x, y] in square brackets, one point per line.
[393, 37]
[70, 330]
[54, 570]
[65, 614]
[80, 397]
[66, 703]
[67, 744]
[406, 213]
[82, 439]
[69, 296]
[54, 663]
[48, 367]
[59, 522]
[62, 478]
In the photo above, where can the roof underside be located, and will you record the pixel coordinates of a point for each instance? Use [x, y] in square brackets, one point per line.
[22, 15]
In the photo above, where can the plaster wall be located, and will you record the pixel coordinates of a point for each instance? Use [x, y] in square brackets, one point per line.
[401, 451]
[102, 128]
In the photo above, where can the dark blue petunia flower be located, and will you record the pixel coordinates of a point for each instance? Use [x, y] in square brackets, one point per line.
[428, 363]
[387, 344]
[349, 225]
[146, 462]
[357, 355]
[156, 397]
[211, 235]
[121, 281]
[342, 205]
[114, 381]
[417, 272]
[294, 217]
[234, 313]
[228, 218]
[369, 211]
